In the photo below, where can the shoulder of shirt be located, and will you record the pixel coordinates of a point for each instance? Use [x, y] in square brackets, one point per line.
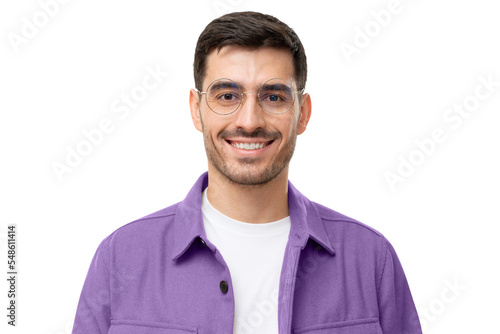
[332, 219]
[344, 232]
[147, 225]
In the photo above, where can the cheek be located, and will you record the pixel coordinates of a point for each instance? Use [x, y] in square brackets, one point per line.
[214, 126]
[288, 127]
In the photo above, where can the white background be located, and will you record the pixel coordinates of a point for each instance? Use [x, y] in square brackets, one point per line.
[442, 220]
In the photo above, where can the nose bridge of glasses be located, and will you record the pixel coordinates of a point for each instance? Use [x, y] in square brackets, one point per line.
[257, 97]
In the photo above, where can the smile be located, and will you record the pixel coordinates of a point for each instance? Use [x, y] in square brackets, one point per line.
[249, 146]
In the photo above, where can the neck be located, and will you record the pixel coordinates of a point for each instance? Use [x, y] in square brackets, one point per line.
[252, 204]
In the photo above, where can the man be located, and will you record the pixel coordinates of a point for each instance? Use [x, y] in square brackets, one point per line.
[246, 252]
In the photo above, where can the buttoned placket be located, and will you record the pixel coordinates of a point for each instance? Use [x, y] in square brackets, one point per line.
[225, 284]
[287, 288]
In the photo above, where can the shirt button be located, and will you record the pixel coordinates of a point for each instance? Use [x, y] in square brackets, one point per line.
[223, 286]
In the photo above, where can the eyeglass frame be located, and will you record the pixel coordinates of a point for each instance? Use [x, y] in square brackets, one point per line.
[243, 95]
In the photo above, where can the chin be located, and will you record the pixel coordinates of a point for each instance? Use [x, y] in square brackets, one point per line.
[251, 176]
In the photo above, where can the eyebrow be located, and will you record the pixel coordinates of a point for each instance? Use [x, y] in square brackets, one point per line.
[224, 84]
[278, 87]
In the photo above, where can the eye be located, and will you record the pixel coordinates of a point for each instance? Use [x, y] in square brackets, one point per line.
[274, 98]
[227, 97]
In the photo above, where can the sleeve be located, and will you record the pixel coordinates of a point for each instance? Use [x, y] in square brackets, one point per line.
[397, 312]
[93, 313]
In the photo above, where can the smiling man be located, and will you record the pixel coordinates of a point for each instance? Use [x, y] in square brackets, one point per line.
[245, 251]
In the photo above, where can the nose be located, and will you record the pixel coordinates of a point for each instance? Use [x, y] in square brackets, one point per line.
[250, 115]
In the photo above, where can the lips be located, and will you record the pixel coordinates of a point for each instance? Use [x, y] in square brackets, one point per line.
[249, 145]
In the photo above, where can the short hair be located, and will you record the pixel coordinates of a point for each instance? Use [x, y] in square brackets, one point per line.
[251, 30]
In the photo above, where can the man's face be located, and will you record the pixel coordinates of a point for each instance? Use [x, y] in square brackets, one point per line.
[249, 123]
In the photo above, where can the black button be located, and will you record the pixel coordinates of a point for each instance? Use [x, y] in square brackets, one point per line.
[223, 286]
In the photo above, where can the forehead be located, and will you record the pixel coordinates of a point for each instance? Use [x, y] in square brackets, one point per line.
[249, 67]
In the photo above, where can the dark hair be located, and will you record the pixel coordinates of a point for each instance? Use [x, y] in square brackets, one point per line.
[252, 30]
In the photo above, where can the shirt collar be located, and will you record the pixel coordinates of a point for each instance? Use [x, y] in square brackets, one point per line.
[305, 220]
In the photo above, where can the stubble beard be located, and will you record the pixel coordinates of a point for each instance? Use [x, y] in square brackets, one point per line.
[244, 171]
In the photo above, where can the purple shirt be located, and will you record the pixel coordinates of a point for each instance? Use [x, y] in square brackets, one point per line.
[160, 274]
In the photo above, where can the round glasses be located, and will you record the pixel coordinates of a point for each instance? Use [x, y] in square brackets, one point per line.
[224, 96]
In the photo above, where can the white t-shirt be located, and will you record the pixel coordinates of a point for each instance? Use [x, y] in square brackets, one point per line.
[254, 254]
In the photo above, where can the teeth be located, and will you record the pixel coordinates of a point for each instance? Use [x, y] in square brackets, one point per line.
[249, 146]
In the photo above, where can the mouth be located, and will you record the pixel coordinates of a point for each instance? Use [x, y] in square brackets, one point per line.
[249, 145]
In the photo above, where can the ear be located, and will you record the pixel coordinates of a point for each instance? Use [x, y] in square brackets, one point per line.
[305, 113]
[194, 105]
